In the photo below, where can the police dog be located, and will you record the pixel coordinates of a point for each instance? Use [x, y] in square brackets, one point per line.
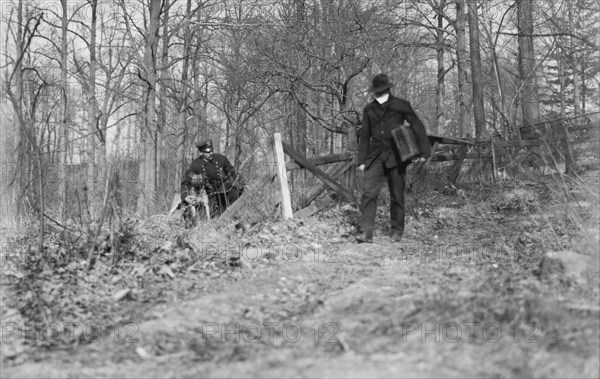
[196, 195]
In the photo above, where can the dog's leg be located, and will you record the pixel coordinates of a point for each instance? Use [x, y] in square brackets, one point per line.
[205, 202]
[175, 203]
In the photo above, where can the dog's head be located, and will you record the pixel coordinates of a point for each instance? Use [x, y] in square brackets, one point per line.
[196, 179]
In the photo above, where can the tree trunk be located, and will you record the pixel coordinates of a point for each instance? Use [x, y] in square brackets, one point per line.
[440, 88]
[182, 111]
[9, 157]
[301, 126]
[18, 107]
[164, 75]
[575, 64]
[237, 162]
[529, 96]
[580, 70]
[147, 167]
[576, 85]
[100, 118]
[63, 132]
[461, 61]
[92, 164]
[300, 91]
[476, 76]
[561, 80]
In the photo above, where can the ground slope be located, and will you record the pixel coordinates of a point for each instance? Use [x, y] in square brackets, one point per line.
[461, 295]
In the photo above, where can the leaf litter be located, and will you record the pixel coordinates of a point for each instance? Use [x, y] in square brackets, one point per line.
[465, 258]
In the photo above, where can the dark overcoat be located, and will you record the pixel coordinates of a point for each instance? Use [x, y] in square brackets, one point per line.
[378, 121]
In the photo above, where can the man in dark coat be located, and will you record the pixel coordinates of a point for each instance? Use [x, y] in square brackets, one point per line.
[219, 176]
[379, 159]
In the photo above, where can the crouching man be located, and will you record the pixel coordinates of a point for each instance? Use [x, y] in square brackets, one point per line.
[220, 181]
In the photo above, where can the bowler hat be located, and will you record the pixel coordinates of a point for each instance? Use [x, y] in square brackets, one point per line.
[205, 146]
[381, 82]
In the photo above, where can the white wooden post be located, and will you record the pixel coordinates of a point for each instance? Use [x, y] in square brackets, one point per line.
[286, 199]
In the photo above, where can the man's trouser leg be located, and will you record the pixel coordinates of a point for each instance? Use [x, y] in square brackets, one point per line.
[222, 202]
[374, 178]
[396, 182]
[232, 196]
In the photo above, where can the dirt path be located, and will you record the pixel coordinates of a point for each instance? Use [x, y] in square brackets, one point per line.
[456, 298]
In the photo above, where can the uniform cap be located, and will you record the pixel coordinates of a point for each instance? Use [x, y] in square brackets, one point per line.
[205, 146]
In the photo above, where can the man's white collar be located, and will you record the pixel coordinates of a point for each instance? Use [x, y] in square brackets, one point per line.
[383, 98]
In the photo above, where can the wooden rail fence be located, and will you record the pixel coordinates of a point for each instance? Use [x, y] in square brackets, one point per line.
[554, 136]
[276, 181]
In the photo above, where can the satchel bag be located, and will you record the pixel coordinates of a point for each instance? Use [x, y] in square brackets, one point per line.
[406, 142]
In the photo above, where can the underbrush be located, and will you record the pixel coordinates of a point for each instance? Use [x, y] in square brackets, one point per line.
[480, 276]
[468, 282]
[58, 299]
[156, 260]
[517, 200]
[493, 237]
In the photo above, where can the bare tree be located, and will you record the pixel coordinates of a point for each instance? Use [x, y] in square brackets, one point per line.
[93, 109]
[461, 62]
[527, 66]
[147, 177]
[476, 75]
[25, 107]
[440, 36]
[11, 132]
[184, 90]
[65, 106]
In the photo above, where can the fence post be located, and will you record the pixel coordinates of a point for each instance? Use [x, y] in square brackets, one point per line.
[286, 200]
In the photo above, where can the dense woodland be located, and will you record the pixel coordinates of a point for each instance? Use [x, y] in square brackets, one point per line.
[101, 102]
[94, 87]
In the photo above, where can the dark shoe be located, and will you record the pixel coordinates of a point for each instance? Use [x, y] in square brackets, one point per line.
[396, 237]
[365, 237]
